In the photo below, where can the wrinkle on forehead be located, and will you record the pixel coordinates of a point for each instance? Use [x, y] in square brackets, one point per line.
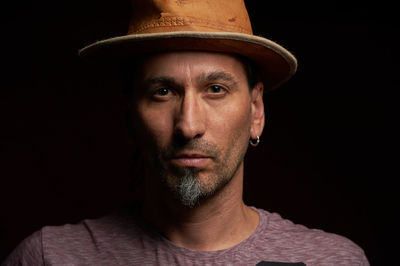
[189, 68]
[189, 61]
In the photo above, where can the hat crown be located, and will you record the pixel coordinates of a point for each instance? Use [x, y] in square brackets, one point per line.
[156, 16]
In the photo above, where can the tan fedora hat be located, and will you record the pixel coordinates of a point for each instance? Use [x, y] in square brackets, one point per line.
[199, 25]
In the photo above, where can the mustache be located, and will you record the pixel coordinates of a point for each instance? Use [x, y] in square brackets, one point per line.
[194, 146]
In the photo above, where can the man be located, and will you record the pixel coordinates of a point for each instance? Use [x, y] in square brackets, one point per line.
[195, 77]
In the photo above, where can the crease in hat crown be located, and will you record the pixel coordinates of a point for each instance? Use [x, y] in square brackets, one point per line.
[189, 15]
[199, 25]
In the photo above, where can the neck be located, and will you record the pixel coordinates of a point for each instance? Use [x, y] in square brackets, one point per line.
[218, 222]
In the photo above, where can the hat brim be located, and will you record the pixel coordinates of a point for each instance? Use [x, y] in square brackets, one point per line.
[277, 64]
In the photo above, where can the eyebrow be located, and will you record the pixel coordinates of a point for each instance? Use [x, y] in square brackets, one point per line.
[207, 77]
[220, 75]
[161, 79]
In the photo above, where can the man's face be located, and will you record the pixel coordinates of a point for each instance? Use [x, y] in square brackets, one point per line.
[194, 112]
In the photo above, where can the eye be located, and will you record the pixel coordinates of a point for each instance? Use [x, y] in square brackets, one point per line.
[162, 94]
[217, 89]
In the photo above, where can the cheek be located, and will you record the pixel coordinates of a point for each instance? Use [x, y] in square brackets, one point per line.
[233, 123]
[155, 125]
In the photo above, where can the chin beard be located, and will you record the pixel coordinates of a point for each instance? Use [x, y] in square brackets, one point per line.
[188, 189]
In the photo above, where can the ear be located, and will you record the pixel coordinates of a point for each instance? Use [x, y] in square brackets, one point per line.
[257, 111]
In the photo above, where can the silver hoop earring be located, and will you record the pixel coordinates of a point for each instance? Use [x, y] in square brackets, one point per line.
[254, 142]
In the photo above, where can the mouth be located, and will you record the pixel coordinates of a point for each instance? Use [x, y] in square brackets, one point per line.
[197, 160]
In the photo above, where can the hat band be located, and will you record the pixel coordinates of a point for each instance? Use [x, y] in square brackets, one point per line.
[175, 23]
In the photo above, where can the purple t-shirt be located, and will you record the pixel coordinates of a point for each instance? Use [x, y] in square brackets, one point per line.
[121, 239]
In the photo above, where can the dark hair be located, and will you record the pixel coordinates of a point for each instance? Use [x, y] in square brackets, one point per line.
[251, 70]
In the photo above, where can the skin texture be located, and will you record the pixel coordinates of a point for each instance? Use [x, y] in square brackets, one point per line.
[194, 115]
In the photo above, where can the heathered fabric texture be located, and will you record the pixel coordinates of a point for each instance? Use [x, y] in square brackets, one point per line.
[119, 239]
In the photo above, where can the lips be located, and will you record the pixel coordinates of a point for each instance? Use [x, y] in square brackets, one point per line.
[191, 160]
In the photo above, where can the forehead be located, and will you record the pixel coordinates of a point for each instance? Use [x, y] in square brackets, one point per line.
[188, 64]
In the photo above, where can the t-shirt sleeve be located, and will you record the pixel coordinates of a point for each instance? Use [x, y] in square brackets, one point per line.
[364, 260]
[28, 252]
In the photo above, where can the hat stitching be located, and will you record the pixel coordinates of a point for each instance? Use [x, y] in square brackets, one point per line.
[182, 21]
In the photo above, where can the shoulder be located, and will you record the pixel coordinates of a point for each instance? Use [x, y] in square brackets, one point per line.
[89, 242]
[51, 245]
[85, 243]
[300, 241]
[28, 252]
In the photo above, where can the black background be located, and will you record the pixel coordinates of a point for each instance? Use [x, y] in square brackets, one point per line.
[327, 157]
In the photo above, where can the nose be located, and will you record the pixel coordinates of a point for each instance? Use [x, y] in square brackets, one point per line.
[190, 118]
